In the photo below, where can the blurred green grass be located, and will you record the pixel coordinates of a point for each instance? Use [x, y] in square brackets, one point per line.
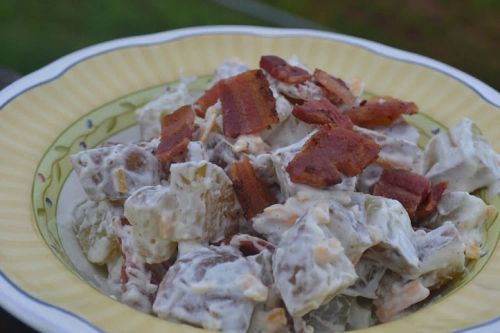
[464, 34]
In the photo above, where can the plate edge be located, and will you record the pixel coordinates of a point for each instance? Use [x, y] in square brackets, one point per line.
[60, 66]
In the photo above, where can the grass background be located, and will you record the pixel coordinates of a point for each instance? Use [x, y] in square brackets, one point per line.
[464, 34]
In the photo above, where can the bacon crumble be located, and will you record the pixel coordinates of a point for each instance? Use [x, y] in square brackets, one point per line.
[412, 190]
[252, 193]
[282, 71]
[209, 98]
[248, 105]
[336, 89]
[429, 204]
[176, 133]
[321, 112]
[380, 111]
[330, 152]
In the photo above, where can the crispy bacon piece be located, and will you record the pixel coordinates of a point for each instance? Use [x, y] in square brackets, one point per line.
[337, 90]
[321, 112]
[206, 100]
[330, 151]
[250, 245]
[176, 133]
[248, 105]
[292, 100]
[429, 204]
[282, 71]
[409, 188]
[124, 221]
[380, 111]
[252, 193]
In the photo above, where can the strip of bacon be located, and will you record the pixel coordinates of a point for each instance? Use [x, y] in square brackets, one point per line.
[429, 204]
[409, 188]
[252, 193]
[292, 100]
[206, 100]
[329, 152]
[282, 71]
[380, 111]
[337, 90]
[176, 133]
[321, 112]
[248, 105]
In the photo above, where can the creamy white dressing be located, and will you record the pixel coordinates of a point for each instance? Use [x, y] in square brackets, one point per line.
[369, 177]
[469, 214]
[336, 251]
[310, 266]
[113, 172]
[206, 206]
[391, 230]
[197, 291]
[137, 291]
[332, 316]
[396, 151]
[441, 254]
[172, 98]
[463, 158]
[369, 276]
[396, 294]
[288, 132]
[400, 130]
[196, 152]
[250, 144]
[283, 106]
[303, 91]
[92, 224]
[146, 209]
[227, 69]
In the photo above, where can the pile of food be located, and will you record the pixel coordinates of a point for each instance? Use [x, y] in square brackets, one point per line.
[281, 200]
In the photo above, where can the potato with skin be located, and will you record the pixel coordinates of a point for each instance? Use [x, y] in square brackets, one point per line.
[212, 287]
[390, 229]
[462, 157]
[335, 313]
[441, 253]
[145, 209]
[469, 214]
[309, 266]
[93, 227]
[207, 207]
[114, 172]
[396, 294]
[137, 286]
[228, 221]
[198, 205]
[149, 115]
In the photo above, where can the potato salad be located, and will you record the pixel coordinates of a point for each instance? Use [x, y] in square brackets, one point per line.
[283, 199]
